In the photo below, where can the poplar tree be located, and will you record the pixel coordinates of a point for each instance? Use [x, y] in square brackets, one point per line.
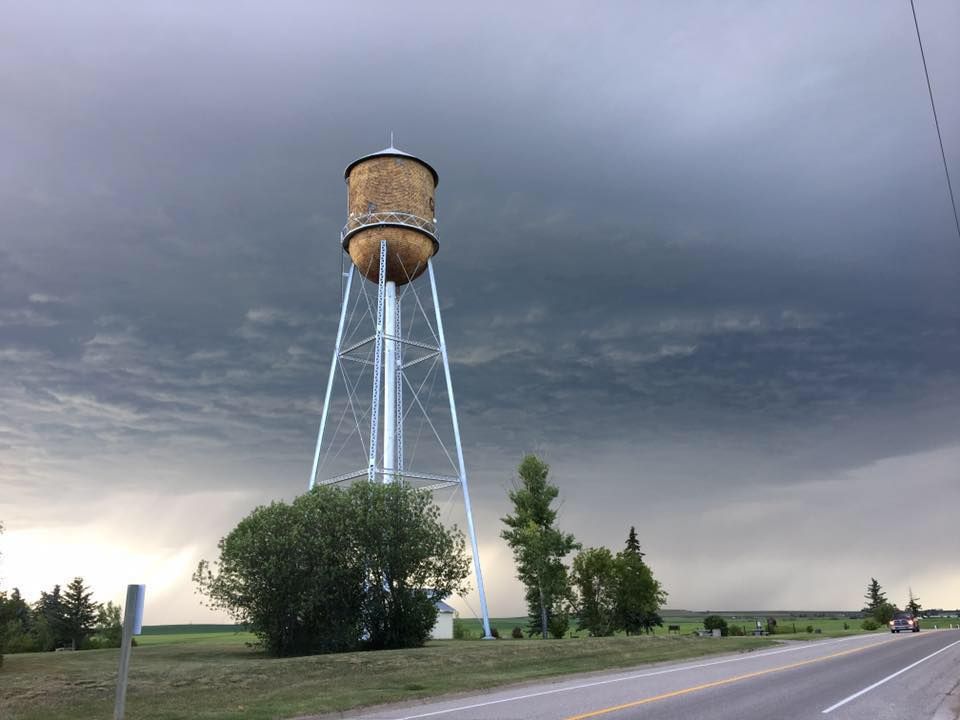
[539, 547]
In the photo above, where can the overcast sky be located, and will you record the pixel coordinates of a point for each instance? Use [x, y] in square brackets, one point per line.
[700, 256]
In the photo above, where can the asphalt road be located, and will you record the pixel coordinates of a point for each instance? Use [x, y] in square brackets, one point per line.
[874, 677]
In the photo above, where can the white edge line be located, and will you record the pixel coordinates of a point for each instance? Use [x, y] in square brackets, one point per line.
[637, 676]
[887, 678]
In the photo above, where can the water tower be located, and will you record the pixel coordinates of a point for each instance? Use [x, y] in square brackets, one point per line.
[388, 351]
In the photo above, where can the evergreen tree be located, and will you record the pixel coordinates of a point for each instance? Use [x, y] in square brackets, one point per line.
[79, 613]
[49, 620]
[913, 604]
[875, 597]
[639, 595]
[633, 544]
[539, 547]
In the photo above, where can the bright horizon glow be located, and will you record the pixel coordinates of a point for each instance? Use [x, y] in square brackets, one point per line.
[160, 540]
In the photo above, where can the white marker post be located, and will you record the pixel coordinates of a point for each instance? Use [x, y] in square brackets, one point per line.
[132, 625]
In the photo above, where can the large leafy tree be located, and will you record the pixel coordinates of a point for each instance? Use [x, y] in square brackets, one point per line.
[79, 613]
[293, 574]
[338, 569]
[595, 575]
[410, 560]
[539, 547]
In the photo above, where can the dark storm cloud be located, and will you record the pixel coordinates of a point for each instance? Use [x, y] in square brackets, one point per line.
[711, 240]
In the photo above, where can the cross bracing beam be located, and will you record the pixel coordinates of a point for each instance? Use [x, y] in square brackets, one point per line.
[358, 345]
[417, 361]
[362, 361]
[414, 343]
[352, 475]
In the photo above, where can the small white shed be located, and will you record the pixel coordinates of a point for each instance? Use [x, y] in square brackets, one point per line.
[443, 630]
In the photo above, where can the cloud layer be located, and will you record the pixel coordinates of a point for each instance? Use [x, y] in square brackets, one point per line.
[701, 257]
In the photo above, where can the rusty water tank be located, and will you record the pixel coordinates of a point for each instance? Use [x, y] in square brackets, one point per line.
[390, 196]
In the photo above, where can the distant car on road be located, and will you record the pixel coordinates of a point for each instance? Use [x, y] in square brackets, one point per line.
[904, 621]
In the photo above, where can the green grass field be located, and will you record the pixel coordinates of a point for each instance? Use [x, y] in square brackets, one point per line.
[223, 638]
[207, 675]
[189, 629]
[830, 626]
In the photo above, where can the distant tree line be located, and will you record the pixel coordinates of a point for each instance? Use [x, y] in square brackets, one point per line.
[606, 592]
[59, 619]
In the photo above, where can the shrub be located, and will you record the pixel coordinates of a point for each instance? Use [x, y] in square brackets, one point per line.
[870, 624]
[771, 625]
[738, 630]
[460, 631]
[109, 626]
[884, 613]
[810, 629]
[558, 625]
[495, 632]
[517, 633]
[715, 622]
[846, 626]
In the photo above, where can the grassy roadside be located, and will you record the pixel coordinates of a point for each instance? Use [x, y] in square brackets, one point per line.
[222, 678]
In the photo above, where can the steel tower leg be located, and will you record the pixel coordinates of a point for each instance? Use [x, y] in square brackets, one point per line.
[390, 383]
[377, 367]
[463, 471]
[398, 373]
[344, 301]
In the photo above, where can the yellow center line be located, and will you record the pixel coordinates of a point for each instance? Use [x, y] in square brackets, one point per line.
[718, 683]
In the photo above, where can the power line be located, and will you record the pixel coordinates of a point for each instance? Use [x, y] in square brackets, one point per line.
[936, 120]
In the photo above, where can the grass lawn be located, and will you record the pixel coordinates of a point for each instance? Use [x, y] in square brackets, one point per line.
[218, 676]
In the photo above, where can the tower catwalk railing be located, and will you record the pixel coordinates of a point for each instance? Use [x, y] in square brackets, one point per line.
[366, 220]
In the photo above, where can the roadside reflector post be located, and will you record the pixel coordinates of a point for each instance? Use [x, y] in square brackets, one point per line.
[132, 625]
